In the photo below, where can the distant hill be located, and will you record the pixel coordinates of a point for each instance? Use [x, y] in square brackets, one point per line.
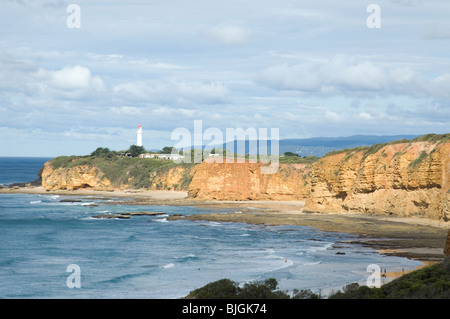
[319, 146]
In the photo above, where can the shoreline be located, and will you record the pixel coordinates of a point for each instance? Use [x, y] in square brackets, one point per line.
[414, 238]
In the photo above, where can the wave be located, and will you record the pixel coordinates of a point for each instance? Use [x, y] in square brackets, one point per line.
[88, 203]
[119, 279]
[190, 257]
[35, 202]
[49, 196]
[170, 265]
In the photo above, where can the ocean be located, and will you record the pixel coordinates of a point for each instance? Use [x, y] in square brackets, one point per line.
[50, 248]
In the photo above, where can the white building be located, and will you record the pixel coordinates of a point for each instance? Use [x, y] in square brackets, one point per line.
[139, 136]
[170, 156]
[162, 156]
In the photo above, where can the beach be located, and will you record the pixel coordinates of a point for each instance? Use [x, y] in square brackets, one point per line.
[414, 238]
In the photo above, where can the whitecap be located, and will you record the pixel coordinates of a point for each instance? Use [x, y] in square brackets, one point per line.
[88, 203]
[35, 201]
[161, 220]
[168, 266]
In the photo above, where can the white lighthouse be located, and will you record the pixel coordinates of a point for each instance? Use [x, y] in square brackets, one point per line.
[139, 136]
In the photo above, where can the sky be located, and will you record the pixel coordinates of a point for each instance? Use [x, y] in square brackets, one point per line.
[72, 80]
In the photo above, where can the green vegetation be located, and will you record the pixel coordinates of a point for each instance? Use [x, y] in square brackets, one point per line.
[266, 289]
[289, 154]
[432, 282]
[369, 150]
[418, 160]
[120, 170]
[297, 159]
[135, 150]
[433, 138]
[104, 152]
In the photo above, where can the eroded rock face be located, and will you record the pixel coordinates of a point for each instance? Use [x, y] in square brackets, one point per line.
[78, 177]
[400, 179]
[92, 177]
[245, 181]
[403, 179]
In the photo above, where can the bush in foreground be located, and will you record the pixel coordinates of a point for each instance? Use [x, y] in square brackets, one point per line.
[432, 282]
[227, 289]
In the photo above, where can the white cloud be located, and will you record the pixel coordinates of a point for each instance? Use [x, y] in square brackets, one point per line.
[173, 91]
[347, 75]
[228, 34]
[72, 82]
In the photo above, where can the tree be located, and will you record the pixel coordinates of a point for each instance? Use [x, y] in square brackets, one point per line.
[100, 151]
[289, 154]
[168, 150]
[135, 150]
[104, 152]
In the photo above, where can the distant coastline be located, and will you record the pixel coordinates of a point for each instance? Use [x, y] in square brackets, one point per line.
[394, 196]
[420, 239]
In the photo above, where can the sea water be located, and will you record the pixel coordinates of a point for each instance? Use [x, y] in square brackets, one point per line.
[151, 257]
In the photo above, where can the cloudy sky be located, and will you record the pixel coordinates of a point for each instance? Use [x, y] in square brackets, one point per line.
[309, 68]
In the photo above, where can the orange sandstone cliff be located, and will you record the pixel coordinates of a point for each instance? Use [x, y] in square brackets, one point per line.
[403, 178]
[77, 177]
[92, 177]
[244, 181]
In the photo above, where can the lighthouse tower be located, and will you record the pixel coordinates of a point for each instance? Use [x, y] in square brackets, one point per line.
[139, 136]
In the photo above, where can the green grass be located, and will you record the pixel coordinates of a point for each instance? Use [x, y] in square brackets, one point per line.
[297, 159]
[369, 150]
[418, 160]
[122, 170]
[439, 138]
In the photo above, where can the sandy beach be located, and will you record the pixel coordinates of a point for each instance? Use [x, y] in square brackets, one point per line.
[415, 238]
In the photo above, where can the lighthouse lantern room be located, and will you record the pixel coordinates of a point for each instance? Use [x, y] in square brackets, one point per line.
[139, 136]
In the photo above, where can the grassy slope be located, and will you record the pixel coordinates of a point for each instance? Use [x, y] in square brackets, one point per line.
[120, 170]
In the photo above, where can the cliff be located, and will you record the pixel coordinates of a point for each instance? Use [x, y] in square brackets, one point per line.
[402, 178]
[73, 178]
[399, 178]
[244, 181]
[72, 173]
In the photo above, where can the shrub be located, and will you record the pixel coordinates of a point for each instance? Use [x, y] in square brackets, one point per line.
[227, 289]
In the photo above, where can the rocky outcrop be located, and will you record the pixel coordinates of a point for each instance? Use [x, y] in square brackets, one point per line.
[92, 177]
[402, 179]
[175, 178]
[408, 178]
[245, 181]
[73, 178]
